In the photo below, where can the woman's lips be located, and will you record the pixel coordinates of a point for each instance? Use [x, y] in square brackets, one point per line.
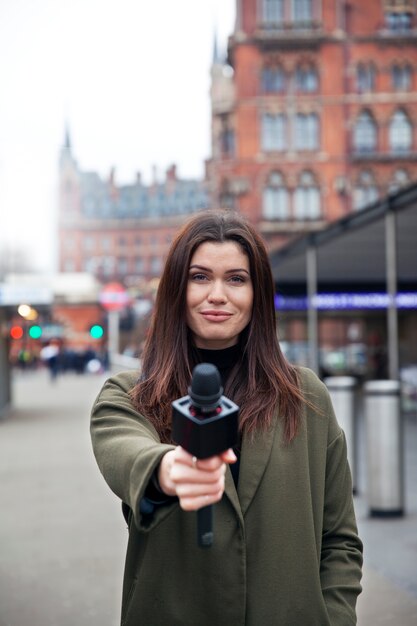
[216, 316]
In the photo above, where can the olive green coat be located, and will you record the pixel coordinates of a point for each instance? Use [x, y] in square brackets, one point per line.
[286, 550]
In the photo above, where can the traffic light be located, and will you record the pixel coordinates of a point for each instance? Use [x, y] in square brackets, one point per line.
[16, 332]
[35, 331]
[96, 331]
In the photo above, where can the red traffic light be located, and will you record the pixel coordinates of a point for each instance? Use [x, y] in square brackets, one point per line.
[16, 332]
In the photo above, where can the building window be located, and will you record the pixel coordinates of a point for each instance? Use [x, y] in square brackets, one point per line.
[122, 265]
[69, 265]
[365, 191]
[365, 77]
[105, 243]
[273, 132]
[399, 21]
[139, 265]
[273, 80]
[399, 179]
[302, 11]
[227, 200]
[307, 198]
[88, 243]
[306, 78]
[365, 134]
[277, 13]
[400, 133]
[227, 141]
[401, 77]
[226, 197]
[156, 265]
[89, 206]
[399, 15]
[69, 244]
[275, 198]
[107, 265]
[226, 137]
[273, 13]
[90, 265]
[306, 131]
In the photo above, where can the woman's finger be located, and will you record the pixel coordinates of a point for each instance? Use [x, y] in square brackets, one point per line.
[193, 504]
[194, 474]
[194, 490]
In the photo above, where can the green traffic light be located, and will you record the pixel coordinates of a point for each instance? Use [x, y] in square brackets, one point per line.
[35, 332]
[96, 331]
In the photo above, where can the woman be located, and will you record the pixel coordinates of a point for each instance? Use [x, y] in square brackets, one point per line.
[286, 549]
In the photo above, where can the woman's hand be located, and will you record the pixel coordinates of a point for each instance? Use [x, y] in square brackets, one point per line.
[196, 483]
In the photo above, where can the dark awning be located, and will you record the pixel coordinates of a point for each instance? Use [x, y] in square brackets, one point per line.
[352, 251]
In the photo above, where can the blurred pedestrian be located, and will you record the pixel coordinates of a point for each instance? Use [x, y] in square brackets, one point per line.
[286, 549]
[50, 355]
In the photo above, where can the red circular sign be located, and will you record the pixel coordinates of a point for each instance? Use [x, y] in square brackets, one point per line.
[114, 297]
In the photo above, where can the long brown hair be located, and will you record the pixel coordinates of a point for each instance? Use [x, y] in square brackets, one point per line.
[262, 382]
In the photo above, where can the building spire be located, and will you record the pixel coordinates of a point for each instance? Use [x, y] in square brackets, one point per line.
[67, 139]
[216, 56]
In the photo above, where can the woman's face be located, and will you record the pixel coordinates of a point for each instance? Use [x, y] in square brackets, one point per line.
[219, 294]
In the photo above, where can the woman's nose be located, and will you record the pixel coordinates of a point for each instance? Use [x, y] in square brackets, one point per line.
[217, 292]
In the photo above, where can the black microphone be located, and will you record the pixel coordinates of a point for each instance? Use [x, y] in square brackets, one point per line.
[205, 423]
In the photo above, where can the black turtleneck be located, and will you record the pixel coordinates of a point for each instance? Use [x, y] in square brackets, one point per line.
[223, 359]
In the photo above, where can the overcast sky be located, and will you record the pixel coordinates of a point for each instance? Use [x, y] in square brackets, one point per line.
[131, 77]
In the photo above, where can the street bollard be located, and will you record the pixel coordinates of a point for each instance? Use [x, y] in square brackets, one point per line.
[342, 391]
[384, 446]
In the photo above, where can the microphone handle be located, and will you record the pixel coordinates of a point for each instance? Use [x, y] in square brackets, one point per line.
[205, 533]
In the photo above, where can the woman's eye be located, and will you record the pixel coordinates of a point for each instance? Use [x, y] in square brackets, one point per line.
[237, 279]
[198, 277]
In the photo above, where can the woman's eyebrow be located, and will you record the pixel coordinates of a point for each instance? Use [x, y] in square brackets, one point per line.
[238, 269]
[207, 269]
[200, 267]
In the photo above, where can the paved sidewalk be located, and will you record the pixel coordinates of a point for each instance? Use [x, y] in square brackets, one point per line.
[62, 538]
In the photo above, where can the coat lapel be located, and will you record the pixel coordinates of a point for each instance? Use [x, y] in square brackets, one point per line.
[253, 461]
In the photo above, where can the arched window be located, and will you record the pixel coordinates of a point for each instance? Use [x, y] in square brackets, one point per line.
[273, 80]
[306, 131]
[365, 77]
[274, 132]
[365, 191]
[306, 78]
[307, 205]
[400, 133]
[401, 77]
[365, 133]
[400, 179]
[275, 198]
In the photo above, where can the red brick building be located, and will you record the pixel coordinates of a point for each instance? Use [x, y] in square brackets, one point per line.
[314, 114]
[120, 232]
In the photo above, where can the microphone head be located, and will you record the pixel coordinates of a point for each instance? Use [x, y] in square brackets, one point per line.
[206, 386]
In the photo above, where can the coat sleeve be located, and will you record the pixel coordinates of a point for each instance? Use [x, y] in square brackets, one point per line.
[127, 448]
[341, 551]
